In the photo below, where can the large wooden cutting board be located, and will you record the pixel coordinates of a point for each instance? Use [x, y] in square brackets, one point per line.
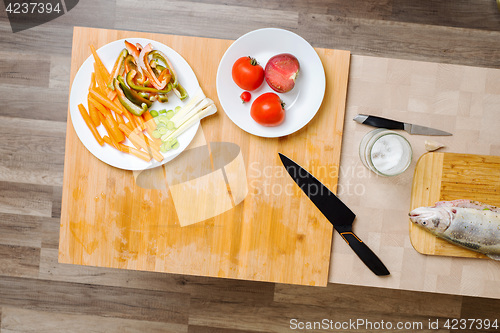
[275, 234]
[448, 176]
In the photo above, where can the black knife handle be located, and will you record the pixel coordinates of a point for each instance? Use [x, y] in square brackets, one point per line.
[364, 253]
[383, 123]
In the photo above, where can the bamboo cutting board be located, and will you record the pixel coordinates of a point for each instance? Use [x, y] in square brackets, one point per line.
[271, 232]
[448, 176]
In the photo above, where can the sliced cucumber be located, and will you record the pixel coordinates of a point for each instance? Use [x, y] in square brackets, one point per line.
[170, 114]
[162, 130]
[156, 134]
[163, 119]
[171, 144]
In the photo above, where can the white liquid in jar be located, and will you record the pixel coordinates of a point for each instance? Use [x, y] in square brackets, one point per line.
[387, 154]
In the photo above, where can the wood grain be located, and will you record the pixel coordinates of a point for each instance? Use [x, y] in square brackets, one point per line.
[19, 261]
[33, 71]
[167, 307]
[447, 176]
[25, 199]
[39, 161]
[476, 14]
[22, 320]
[347, 298]
[435, 43]
[195, 13]
[100, 228]
[20, 230]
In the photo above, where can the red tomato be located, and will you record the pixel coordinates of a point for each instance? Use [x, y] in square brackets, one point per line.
[268, 110]
[247, 73]
[245, 96]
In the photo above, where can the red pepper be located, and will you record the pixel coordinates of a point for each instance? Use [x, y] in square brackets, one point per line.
[144, 64]
[135, 51]
[132, 49]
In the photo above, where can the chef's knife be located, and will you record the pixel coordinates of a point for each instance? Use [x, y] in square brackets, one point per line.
[339, 215]
[394, 124]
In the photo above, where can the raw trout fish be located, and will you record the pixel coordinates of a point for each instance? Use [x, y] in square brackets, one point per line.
[470, 224]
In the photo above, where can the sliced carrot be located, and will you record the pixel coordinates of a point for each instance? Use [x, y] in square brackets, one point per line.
[130, 118]
[94, 85]
[104, 101]
[147, 116]
[108, 128]
[140, 127]
[135, 139]
[115, 71]
[93, 112]
[90, 124]
[110, 142]
[101, 84]
[103, 87]
[130, 125]
[101, 108]
[119, 119]
[156, 143]
[111, 94]
[150, 127]
[138, 153]
[101, 68]
[126, 149]
[114, 131]
[140, 122]
[92, 80]
[119, 105]
[148, 123]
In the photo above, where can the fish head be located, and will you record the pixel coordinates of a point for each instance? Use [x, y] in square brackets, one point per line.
[436, 219]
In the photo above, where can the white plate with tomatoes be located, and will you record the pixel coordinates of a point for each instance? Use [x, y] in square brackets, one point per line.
[300, 104]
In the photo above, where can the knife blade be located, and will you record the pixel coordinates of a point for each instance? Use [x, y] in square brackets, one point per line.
[398, 125]
[335, 211]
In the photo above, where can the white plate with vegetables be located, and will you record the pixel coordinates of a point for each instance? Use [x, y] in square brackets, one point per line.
[177, 134]
[301, 103]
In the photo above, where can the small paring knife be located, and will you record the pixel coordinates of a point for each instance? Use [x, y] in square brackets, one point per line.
[398, 125]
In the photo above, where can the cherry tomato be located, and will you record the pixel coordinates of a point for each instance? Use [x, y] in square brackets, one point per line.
[268, 110]
[247, 73]
[245, 96]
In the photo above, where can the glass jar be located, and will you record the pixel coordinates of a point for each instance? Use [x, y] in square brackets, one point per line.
[385, 152]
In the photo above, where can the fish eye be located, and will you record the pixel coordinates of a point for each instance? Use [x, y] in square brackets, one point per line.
[424, 222]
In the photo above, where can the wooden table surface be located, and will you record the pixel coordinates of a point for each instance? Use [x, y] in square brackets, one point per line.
[37, 293]
[111, 219]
